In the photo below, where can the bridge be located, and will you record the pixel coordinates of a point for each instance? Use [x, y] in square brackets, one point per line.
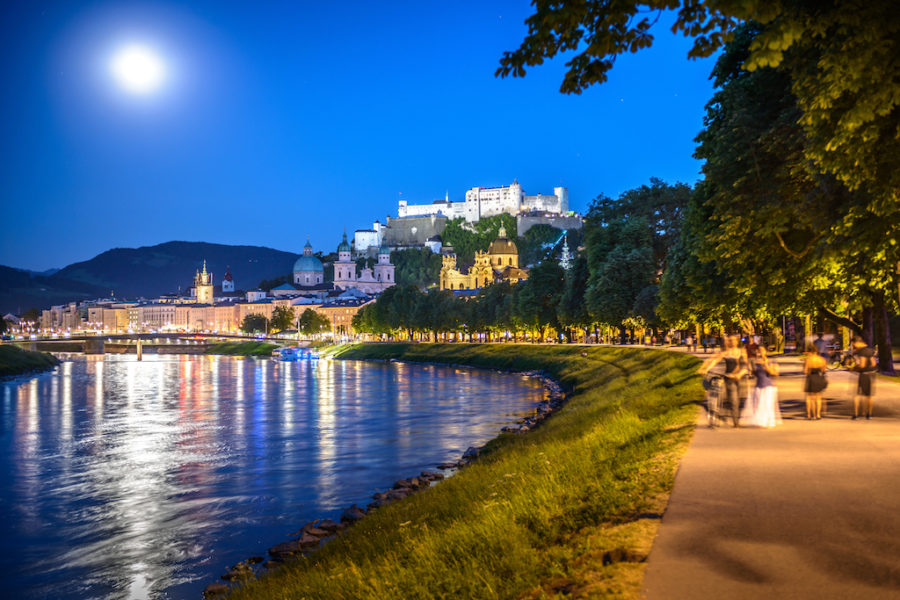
[131, 343]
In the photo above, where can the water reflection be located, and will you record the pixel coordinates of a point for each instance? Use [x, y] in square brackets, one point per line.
[127, 479]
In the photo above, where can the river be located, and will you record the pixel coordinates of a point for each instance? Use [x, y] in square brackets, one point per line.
[146, 479]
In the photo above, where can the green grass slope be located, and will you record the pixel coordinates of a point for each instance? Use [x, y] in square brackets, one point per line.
[569, 509]
[16, 361]
[242, 349]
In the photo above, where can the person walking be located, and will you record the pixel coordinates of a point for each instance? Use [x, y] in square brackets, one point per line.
[762, 407]
[814, 367]
[688, 342]
[866, 367]
[821, 346]
[736, 367]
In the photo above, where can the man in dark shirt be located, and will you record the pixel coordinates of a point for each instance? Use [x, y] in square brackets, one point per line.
[866, 367]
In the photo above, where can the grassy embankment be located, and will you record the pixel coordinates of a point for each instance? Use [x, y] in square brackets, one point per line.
[570, 508]
[242, 349]
[16, 361]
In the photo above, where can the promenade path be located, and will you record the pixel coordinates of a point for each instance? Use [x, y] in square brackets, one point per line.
[810, 509]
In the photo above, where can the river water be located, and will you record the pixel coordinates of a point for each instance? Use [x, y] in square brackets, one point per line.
[128, 479]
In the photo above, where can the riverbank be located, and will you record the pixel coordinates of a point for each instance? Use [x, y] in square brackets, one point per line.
[242, 349]
[16, 361]
[571, 507]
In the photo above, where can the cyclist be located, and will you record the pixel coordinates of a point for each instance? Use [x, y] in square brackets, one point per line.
[736, 367]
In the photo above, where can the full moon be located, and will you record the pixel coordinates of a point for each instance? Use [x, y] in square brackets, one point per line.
[138, 69]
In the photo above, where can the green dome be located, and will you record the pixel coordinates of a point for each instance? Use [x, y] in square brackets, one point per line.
[384, 249]
[308, 264]
[344, 246]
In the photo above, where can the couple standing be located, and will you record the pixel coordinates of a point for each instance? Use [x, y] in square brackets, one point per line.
[761, 407]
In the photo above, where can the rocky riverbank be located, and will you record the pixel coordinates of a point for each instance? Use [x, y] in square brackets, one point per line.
[311, 536]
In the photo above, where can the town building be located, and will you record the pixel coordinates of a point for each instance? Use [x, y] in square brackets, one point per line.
[499, 263]
[366, 242]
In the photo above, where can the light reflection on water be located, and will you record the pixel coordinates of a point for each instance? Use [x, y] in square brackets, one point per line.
[127, 479]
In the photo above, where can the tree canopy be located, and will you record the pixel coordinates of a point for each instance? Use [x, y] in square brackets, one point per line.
[254, 323]
[842, 58]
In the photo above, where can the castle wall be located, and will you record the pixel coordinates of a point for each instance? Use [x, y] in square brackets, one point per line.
[412, 231]
[526, 222]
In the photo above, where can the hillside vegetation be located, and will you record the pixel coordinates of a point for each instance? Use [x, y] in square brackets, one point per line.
[570, 508]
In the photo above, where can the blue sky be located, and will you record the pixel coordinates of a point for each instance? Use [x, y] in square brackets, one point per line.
[282, 120]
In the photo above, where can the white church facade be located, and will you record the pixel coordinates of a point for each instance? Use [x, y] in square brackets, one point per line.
[369, 281]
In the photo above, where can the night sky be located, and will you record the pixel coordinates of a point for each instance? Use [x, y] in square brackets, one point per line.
[278, 121]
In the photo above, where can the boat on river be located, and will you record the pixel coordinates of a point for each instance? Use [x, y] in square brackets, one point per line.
[293, 353]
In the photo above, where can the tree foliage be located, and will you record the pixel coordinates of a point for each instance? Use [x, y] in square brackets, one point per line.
[416, 266]
[283, 318]
[311, 322]
[841, 58]
[254, 323]
[468, 238]
[539, 296]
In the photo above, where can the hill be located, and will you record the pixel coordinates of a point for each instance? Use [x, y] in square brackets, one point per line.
[20, 290]
[147, 271]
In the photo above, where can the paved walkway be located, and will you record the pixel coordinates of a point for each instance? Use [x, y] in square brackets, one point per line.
[810, 509]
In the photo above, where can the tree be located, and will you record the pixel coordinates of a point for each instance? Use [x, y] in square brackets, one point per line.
[614, 288]
[416, 266]
[283, 318]
[254, 323]
[539, 295]
[268, 284]
[840, 59]
[467, 238]
[572, 309]
[311, 322]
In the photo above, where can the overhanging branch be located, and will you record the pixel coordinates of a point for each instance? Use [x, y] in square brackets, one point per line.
[845, 321]
[791, 252]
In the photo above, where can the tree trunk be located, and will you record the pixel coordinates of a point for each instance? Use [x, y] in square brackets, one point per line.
[883, 335]
[868, 328]
[799, 335]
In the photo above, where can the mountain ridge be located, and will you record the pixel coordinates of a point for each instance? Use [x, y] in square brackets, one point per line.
[145, 271]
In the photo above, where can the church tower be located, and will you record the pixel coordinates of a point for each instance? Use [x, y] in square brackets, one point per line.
[203, 286]
[384, 270]
[344, 267]
[228, 281]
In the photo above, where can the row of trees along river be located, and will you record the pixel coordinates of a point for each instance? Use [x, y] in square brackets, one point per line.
[798, 211]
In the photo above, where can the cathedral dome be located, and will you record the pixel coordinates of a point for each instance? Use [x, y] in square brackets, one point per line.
[502, 245]
[308, 264]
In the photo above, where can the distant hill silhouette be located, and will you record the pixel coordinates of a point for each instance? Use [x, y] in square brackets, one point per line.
[20, 290]
[142, 272]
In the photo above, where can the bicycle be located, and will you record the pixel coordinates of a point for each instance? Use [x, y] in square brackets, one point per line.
[840, 359]
[713, 384]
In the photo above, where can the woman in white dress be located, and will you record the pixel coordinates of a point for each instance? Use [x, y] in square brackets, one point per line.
[761, 409]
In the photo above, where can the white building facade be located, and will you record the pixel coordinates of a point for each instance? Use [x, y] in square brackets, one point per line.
[483, 202]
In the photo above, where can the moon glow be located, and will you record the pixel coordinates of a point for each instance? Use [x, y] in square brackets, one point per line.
[138, 69]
